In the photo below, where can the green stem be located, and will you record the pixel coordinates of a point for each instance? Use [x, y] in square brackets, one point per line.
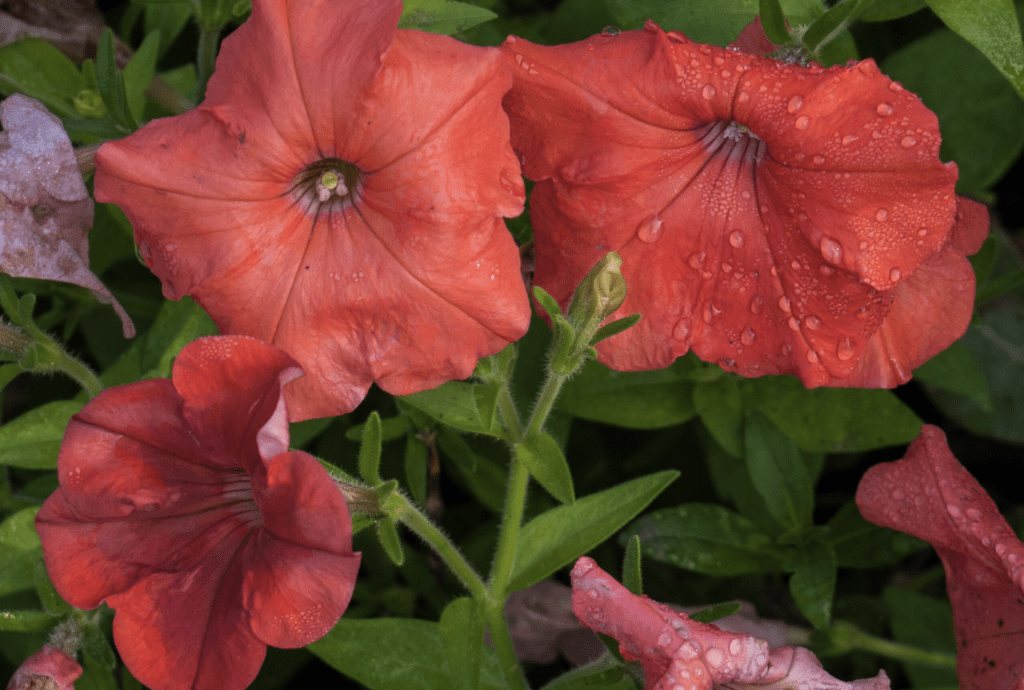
[546, 401]
[205, 60]
[509, 414]
[502, 641]
[900, 651]
[511, 521]
[82, 374]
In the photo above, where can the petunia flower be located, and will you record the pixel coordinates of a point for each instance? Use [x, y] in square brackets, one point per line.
[930, 495]
[678, 653]
[47, 669]
[340, 193]
[182, 508]
[773, 218]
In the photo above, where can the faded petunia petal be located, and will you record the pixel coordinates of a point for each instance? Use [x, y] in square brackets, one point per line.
[181, 506]
[930, 495]
[340, 193]
[47, 669]
[770, 217]
[678, 653]
[45, 210]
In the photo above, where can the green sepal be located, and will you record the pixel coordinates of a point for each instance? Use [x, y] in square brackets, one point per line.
[387, 497]
[110, 83]
[370, 450]
[827, 26]
[416, 466]
[774, 22]
[716, 612]
[387, 533]
[632, 576]
[615, 327]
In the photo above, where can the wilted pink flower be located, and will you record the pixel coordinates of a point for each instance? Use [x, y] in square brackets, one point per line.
[930, 495]
[181, 506]
[678, 653]
[47, 669]
[773, 218]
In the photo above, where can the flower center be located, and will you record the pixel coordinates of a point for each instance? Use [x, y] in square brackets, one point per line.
[326, 185]
[733, 139]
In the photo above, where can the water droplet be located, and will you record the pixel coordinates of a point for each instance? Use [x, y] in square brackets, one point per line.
[745, 194]
[756, 304]
[831, 250]
[795, 265]
[908, 142]
[849, 139]
[787, 349]
[714, 657]
[884, 109]
[719, 61]
[954, 511]
[881, 215]
[794, 325]
[795, 103]
[170, 247]
[727, 267]
[743, 97]
[973, 514]
[706, 49]
[611, 31]
[748, 336]
[826, 271]
[922, 232]
[895, 86]
[785, 305]
[681, 331]
[802, 122]
[812, 356]
[650, 229]
[845, 350]
[895, 274]
[664, 640]
[708, 92]
[727, 363]
[819, 160]
[710, 312]
[813, 322]
[697, 259]
[736, 239]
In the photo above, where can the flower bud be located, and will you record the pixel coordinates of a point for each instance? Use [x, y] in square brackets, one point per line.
[601, 292]
[47, 669]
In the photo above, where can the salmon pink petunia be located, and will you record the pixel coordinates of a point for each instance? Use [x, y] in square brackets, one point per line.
[340, 193]
[930, 495]
[678, 653]
[182, 508]
[773, 218]
[47, 669]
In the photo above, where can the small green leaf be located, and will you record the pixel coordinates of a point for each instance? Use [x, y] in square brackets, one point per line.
[955, 369]
[544, 460]
[442, 16]
[19, 551]
[391, 428]
[462, 632]
[549, 303]
[110, 83]
[387, 533]
[706, 538]
[779, 473]
[828, 26]
[716, 612]
[615, 327]
[480, 475]
[861, 544]
[454, 404]
[774, 22]
[607, 673]
[632, 574]
[25, 620]
[487, 402]
[95, 644]
[138, 74]
[885, 10]
[96, 675]
[370, 449]
[720, 407]
[813, 583]
[35, 68]
[983, 261]
[52, 601]
[561, 535]
[1000, 286]
[33, 439]
[416, 468]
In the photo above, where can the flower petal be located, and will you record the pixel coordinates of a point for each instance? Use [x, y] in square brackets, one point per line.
[49, 669]
[930, 495]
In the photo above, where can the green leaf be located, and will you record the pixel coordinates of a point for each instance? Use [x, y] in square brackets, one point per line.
[706, 538]
[387, 533]
[955, 370]
[52, 601]
[828, 26]
[614, 328]
[110, 83]
[391, 428]
[95, 644]
[632, 574]
[720, 406]
[480, 475]
[813, 583]
[833, 419]
[981, 117]
[416, 468]
[562, 534]
[635, 400]
[884, 10]
[544, 460]
[607, 673]
[861, 544]
[716, 612]
[19, 551]
[138, 74]
[33, 439]
[983, 261]
[1000, 286]
[95, 676]
[774, 22]
[397, 654]
[35, 68]
[779, 473]
[369, 450]
[992, 27]
[462, 632]
[923, 622]
[442, 16]
[454, 404]
[25, 620]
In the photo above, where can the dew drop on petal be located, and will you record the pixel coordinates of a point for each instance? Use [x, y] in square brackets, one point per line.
[826, 271]
[784, 304]
[895, 274]
[681, 330]
[743, 97]
[954, 511]
[884, 109]
[736, 239]
[802, 122]
[795, 265]
[922, 232]
[908, 142]
[794, 325]
[973, 514]
[650, 229]
[849, 139]
[710, 312]
[697, 259]
[756, 304]
[714, 657]
[831, 251]
[845, 350]
[708, 92]
[813, 322]
[881, 215]
[819, 160]
[795, 103]
[787, 349]
[812, 356]
[895, 86]
[748, 336]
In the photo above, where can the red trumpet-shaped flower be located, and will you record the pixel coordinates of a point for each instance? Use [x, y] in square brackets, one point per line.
[772, 218]
[181, 506]
[678, 653]
[930, 495]
[340, 193]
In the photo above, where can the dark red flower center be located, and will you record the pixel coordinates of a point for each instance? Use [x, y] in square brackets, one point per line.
[327, 185]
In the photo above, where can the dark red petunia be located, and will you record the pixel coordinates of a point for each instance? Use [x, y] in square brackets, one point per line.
[930, 495]
[182, 508]
[772, 218]
[340, 193]
[47, 669]
[678, 653]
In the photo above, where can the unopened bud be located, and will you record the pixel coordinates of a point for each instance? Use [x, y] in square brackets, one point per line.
[601, 292]
[47, 669]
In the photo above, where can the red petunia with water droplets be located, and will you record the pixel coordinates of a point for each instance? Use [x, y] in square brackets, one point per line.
[930, 495]
[182, 508]
[678, 653]
[340, 193]
[773, 218]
